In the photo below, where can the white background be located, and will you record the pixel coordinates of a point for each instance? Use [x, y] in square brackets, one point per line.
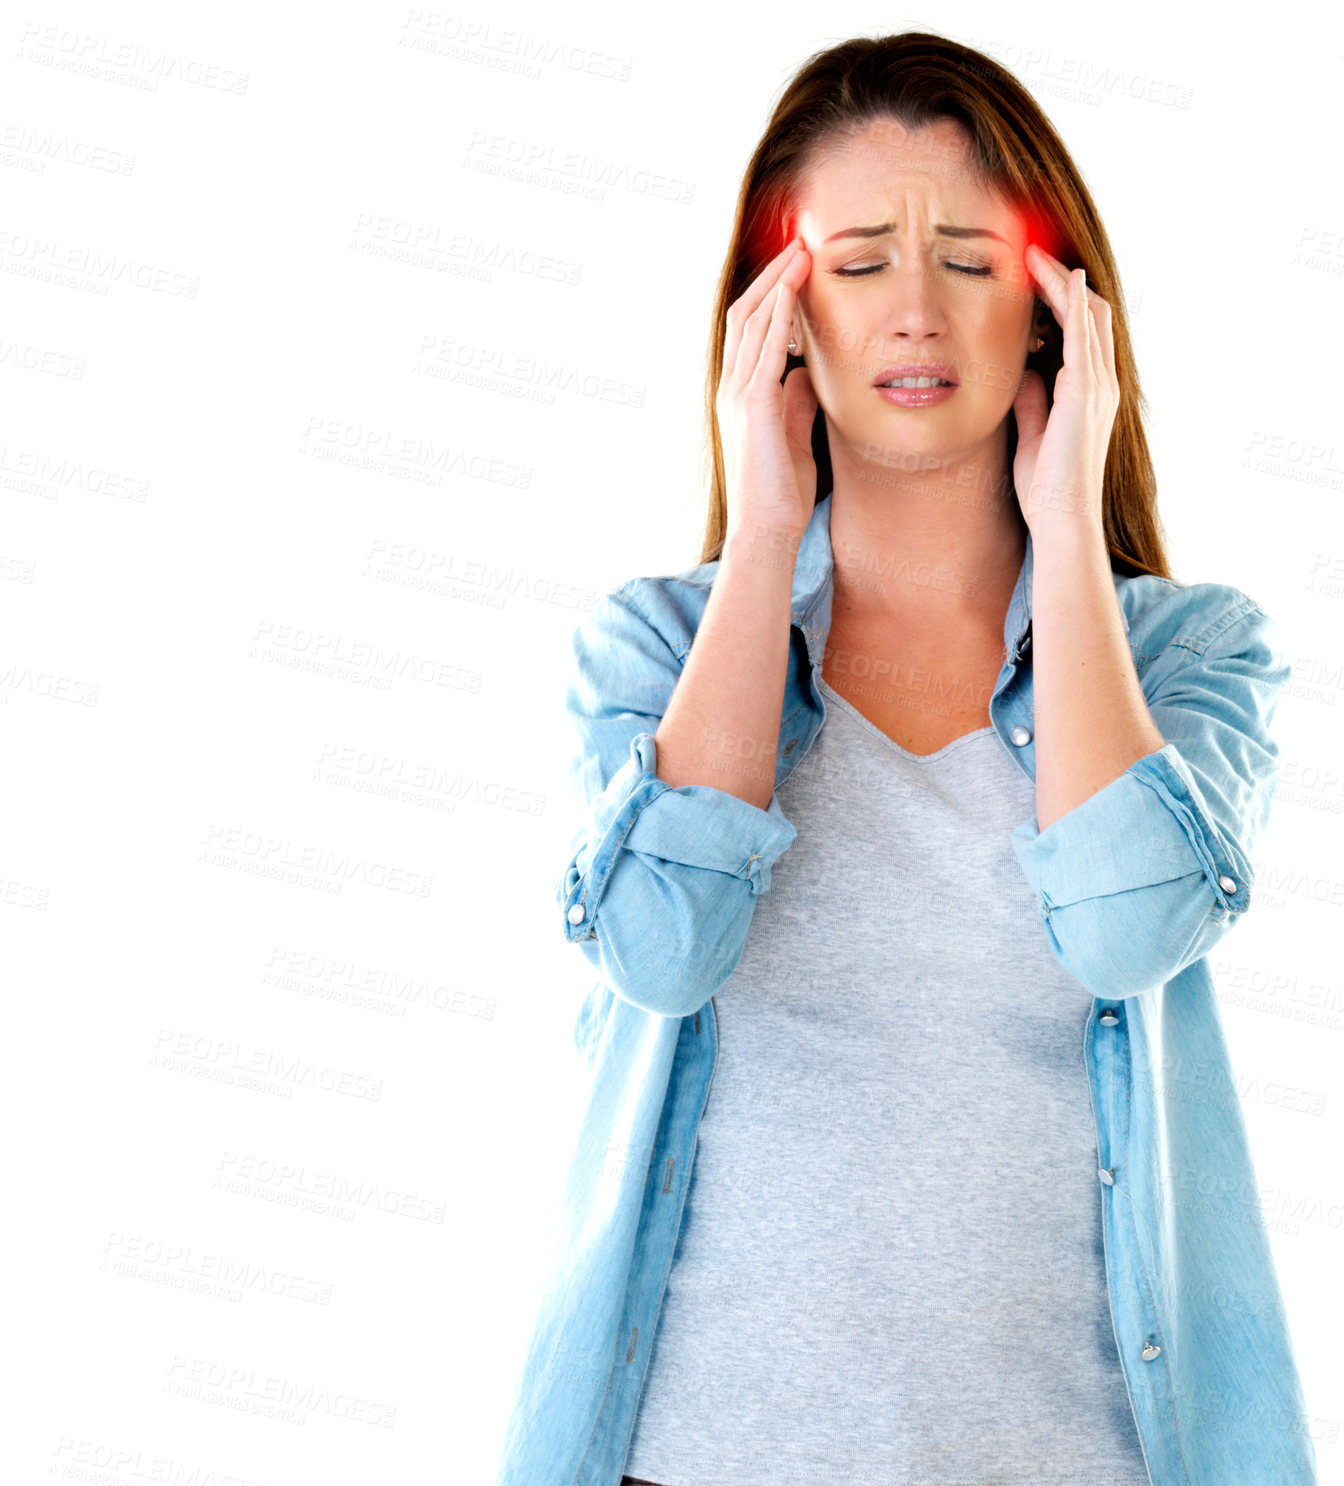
[346, 354]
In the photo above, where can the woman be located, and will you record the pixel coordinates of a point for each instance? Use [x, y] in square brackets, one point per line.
[910, 1154]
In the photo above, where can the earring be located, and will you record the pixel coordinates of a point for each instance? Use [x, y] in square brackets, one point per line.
[1040, 341]
[793, 348]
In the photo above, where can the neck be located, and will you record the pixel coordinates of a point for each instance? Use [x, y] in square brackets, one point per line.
[938, 545]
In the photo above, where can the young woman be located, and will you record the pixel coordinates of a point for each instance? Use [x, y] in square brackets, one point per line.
[910, 817]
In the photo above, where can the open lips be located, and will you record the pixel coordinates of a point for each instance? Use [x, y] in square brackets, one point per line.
[916, 374]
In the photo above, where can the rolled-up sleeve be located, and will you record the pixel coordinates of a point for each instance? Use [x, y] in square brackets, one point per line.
[1149, 873]
[661, 882]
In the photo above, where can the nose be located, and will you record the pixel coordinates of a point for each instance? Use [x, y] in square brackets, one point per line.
[914, 310]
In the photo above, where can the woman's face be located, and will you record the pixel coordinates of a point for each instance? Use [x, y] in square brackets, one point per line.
[942, 280]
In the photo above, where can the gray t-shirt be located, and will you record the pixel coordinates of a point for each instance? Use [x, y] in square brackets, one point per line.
[890, 1267]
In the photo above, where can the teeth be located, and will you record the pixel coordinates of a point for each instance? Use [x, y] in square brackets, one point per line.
[917, 382]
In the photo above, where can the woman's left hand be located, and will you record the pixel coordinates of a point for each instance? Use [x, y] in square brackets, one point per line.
[1060, 464]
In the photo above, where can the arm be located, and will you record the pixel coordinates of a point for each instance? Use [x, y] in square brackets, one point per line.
[1091, 719]
[1149, 872]
[664, 874]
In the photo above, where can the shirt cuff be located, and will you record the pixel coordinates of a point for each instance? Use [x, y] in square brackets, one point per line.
[1150, 825]
[694, 825]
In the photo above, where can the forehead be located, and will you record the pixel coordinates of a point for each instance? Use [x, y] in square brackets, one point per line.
[888, 173]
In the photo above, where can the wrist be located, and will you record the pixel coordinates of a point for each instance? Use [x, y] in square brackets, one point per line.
[1063, 512]
[763, 545]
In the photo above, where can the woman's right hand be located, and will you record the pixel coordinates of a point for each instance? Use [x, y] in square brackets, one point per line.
[765, 426]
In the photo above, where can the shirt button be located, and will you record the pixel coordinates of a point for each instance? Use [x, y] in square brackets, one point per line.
[1150, 1350]
[1108, 1018]
[1021, 736]
[575, 914]
[1227, 884]
[1105, 1175]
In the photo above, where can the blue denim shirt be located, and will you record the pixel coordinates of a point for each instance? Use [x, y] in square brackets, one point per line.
[1134, 887]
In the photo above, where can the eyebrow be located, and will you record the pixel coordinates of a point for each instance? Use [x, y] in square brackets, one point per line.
[942, 230]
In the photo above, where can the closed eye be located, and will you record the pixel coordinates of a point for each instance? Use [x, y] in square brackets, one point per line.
[976, 270]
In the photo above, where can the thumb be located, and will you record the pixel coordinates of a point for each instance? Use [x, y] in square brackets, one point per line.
[1029, 406]
[800, 410]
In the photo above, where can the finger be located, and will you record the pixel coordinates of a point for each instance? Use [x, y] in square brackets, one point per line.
[764, 337]
[774, 352]
[1031, 407]
[1101, 311]
[1077, 351]
[800, 409]
[766, 330]
[754, 335]
[1091, 299]
[1101, 340]
[1095, 361]
[1053, 279]
[750, 301]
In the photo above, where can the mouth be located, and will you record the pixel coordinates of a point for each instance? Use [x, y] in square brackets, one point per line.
[916, 374]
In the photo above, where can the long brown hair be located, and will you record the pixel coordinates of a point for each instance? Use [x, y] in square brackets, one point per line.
[919, 78]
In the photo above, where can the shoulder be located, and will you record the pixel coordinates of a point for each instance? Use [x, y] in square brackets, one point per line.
[1184, 622]
[667, 607]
